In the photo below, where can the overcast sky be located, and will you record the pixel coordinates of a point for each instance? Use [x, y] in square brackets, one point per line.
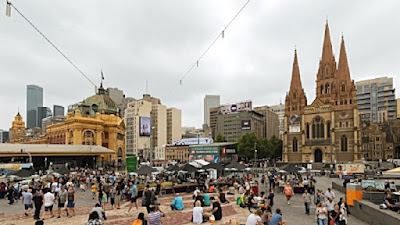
[158, 41]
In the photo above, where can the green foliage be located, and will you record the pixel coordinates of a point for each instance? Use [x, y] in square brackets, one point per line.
[219, 139]
[266, 148]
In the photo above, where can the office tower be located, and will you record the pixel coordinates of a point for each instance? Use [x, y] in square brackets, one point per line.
[43, 112]
[58, 110]
[271, 122]
[210, 101]
[280, 111]
[376, 100]
[34, 99]
[174, 125]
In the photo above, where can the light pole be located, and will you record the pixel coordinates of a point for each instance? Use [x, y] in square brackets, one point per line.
[29, 154]
[255, 155]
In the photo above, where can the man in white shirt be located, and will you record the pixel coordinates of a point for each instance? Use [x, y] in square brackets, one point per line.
[48, 200]
[329, 194]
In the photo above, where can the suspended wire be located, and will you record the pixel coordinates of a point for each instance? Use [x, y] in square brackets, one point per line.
[51, 43]
[221, 34]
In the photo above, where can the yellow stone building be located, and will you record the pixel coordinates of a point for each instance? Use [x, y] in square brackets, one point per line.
[96, 121]
[18, 128]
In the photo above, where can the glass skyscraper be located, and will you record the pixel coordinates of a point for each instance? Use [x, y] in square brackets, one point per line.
[34, 99]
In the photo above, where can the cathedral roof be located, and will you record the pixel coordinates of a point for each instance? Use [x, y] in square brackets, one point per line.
[343, 72]
[327, 52]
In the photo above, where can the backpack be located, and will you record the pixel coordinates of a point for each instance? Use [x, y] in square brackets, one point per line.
[137, 222]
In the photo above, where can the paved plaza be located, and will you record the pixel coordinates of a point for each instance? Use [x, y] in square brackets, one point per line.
[293, 213]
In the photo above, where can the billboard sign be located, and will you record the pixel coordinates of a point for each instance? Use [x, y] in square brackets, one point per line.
[235, 108]
[246, 124]
[144, 123]
[131, 163]
[294, 123]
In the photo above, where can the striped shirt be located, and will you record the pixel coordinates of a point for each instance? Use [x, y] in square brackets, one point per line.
[155, 218]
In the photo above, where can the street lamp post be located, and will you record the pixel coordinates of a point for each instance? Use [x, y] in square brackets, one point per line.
[255, 155]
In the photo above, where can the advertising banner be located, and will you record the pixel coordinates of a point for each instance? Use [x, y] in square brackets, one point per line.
[131, 163]
[246, 124]
[349, 168]
[235, 108]
[144, 123]
[294, 123]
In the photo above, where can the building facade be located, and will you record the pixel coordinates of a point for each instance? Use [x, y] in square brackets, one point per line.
[376, 100]
[232, 126]
[177, 153]
[58, 110]
[17, 128]
[4, 136]
[52, 120]
[271, 121]
[34, 99]
[174, 125]
[213, 121]
[134, 142]
[398, 108]
[328, 130]
[280, 111]
[210, 101]
[158, 125]
[381, 140]
[42, 113]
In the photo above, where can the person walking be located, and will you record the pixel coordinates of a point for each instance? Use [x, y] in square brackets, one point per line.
[27, 201]
[307, 201]
[288, 191]
[335, 215]
[134, 196]
[330, 206]
[37, 200]
[48, 199]
[321, 213]
[71, 198]
[61, 199]
[270, 198]
[10, 194]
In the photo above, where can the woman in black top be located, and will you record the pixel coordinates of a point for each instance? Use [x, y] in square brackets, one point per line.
[200, 198]
[221, 196]
[335, 215]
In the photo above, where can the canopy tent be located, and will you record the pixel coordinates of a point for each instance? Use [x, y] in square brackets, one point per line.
[199, 163]
[24, 173]
[188, 168]
[290, 168]
[235, 165]
[145, 170]
[173, 168]
[395, 170]
[213, 166]
[63, 171]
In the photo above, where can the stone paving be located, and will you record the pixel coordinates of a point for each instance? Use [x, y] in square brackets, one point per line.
[294, 213]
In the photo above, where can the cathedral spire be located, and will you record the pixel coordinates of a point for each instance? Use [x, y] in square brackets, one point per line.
[343, 72]
[327, 53]
[296, 81]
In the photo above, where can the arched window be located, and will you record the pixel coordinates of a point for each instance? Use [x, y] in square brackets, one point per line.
[313, 131]
[322, 89]
[327, 88]
[341, 102]
[294, 95]
[340, 124]
[344, 144]
[308, 131]
[328, 129]
[318, 128]
[347, 123]
[294, 144]
[343, 87]
[350, 102]
[345, 101]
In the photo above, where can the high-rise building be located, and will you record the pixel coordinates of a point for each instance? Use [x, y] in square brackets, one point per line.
[34, 99]
[174, 125]
[327, 130]
[271, 122]
[376, 100]
[135, 142]
[234, 125]
[210, 101]
[280, 111]
[42, 113]
[4, 136]
[213, 120]
[58, 110]
[398, 108]
[159, 125]
[52, 120]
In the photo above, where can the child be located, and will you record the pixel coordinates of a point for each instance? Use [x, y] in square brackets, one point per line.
[93, 190]
[104, 200]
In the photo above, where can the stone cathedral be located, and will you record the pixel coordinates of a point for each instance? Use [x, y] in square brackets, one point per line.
[327, 130]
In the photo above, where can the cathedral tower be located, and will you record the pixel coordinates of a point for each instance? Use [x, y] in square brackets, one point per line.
[296, 99]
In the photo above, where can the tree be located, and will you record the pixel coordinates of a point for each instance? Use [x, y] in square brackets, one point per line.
[246, 144]
[276, 147]
[220, 138]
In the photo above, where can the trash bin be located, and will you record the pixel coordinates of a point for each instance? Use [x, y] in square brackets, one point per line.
[353, 192]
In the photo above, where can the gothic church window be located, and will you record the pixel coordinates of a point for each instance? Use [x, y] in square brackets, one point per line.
[327, 88]
[318, 128]
[343, 88]
[294, 144]
[344, 144]
[328, 129]
[308, 131]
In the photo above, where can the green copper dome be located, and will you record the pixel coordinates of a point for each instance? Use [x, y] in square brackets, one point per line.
[99, 102]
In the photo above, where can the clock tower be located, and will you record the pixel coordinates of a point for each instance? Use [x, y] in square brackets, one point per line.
[18, 128]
